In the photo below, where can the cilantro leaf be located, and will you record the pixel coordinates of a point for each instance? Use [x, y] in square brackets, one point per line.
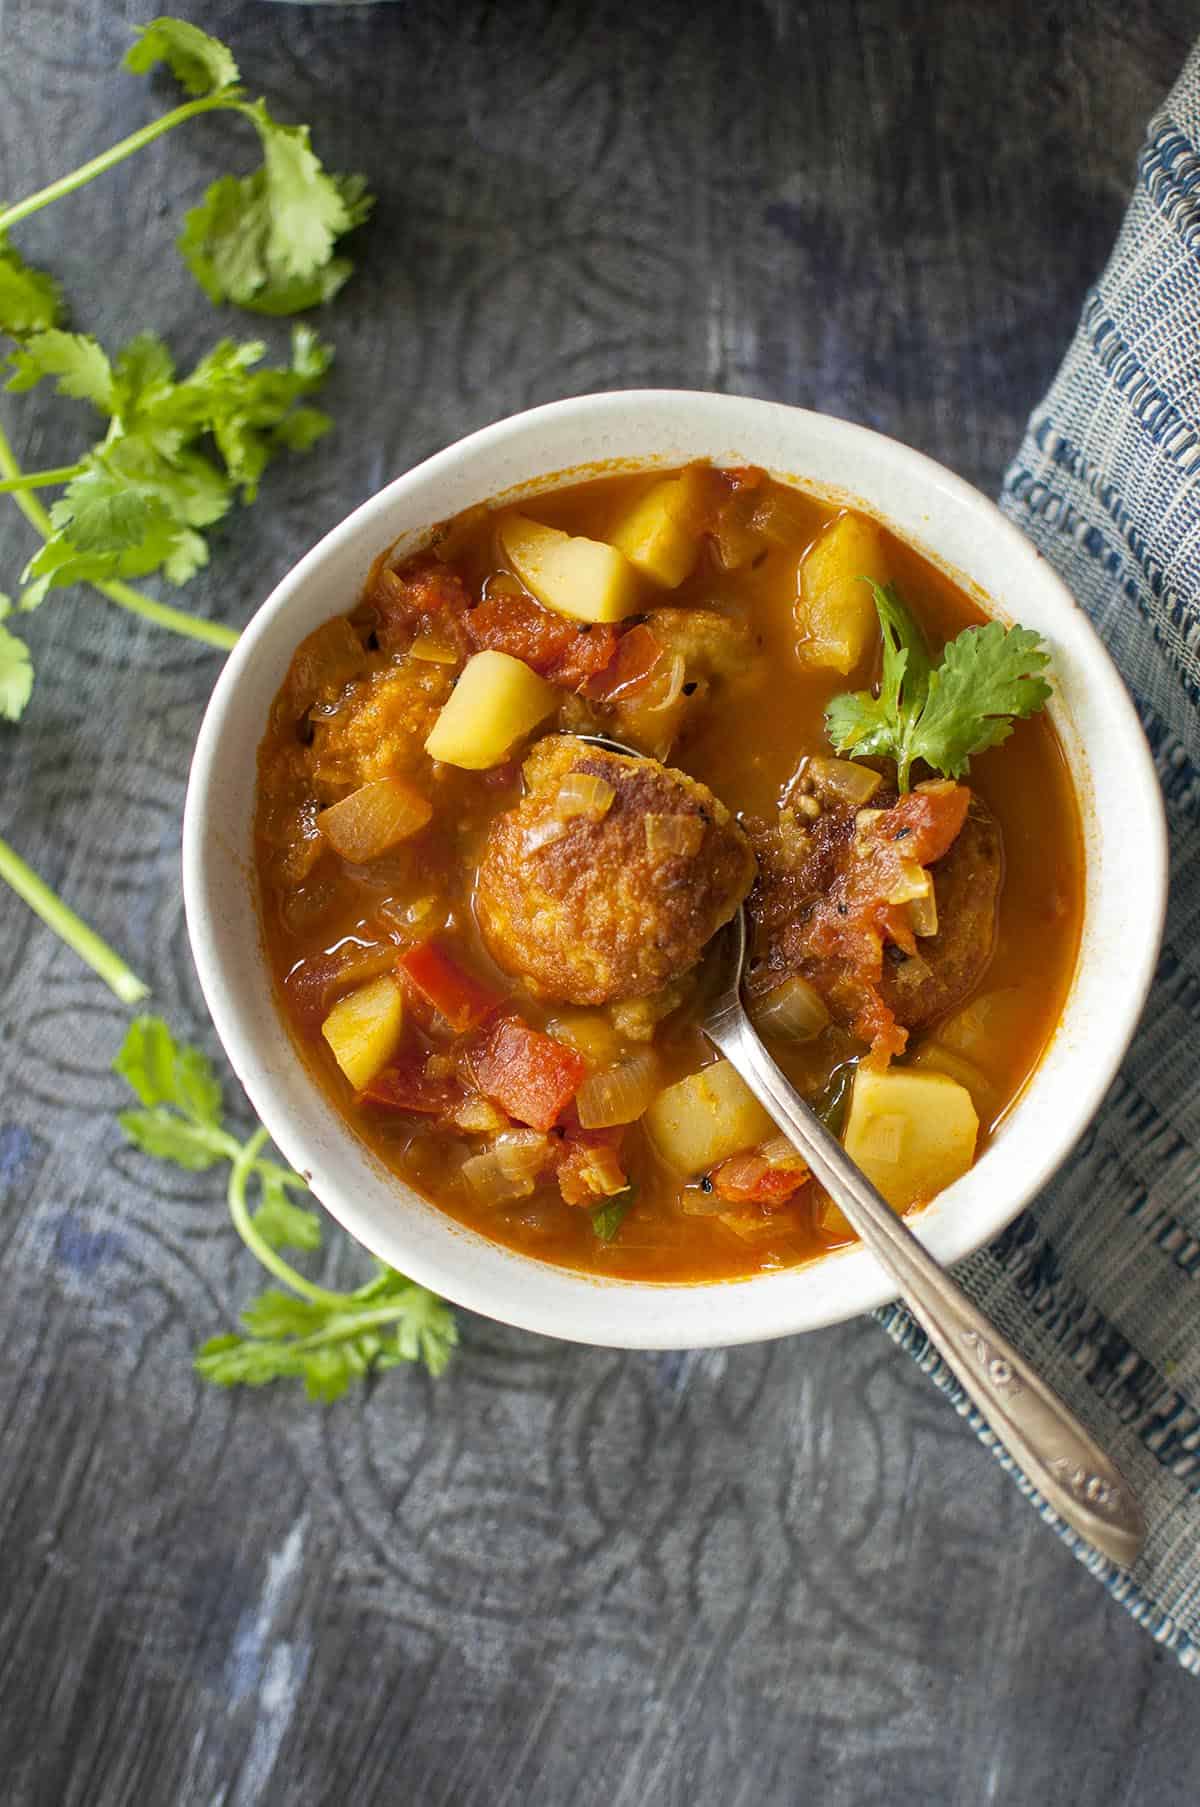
[282, 1224]
[608, 1217]
[168, 1137]
[154, 1066]
[265, 241]
[329, 1345]
[989, 677]
[945, 714]
[326, 1339]
[138, 501]
[200, 63]
[75, 359]
[30, 300]
[16, 671]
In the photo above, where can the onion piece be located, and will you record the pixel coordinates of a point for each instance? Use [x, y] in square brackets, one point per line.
[619, 1094]
[432, 650]
[913, 884]
[923, 915]
[779, 1152]
[844, 780]
[583, 794]
[670, 836]
[510, 1169]
[794, 1010]
[671, 685]
[553, 828]
[374, 818]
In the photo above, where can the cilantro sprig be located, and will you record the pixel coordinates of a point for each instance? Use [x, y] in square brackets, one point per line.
[988, 678]
[139, 499]
[265, 241]
[326, 1339]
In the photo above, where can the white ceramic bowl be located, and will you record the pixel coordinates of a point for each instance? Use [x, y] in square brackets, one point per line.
[1114, 778]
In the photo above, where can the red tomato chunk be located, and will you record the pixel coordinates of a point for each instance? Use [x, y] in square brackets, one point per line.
[442, 982]
[532, 1076]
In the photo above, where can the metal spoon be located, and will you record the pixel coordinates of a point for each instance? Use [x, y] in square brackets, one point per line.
[1060, 1458]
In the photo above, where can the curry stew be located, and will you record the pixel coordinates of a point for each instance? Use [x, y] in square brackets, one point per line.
[489, 935]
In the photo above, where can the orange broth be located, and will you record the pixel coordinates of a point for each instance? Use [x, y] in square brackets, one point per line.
[746, 747]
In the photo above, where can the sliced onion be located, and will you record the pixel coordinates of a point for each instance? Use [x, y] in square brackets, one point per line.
[845, 780]
[923, 915]
[913, 884]
[374, 818]
[794, 1010]
[779, 1152]
[668, 837]
[780, 518]
[671, 686]
[619, 1094]
[552, 828]
[432, 650]
[508, 1170]
[583, 794]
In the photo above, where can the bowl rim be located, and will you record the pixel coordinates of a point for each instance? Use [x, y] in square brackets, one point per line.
[459, 1263]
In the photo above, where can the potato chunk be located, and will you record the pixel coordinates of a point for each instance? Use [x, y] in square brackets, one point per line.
[705, 1118]
[913, 1134]
[496, 703]
[587, 580]
[364, 1028]
[656, 534]
[835, 610]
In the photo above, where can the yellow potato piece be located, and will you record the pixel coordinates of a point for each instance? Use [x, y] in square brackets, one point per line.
[913, 1134]
[655, 534]
[584, 579]
[706, 1117]
[496, 703]
[364, 1028]
[835, 610]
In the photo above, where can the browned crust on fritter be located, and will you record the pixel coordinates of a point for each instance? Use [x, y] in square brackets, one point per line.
[591, 917]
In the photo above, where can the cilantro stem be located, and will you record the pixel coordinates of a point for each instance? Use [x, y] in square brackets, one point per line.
[70, 928]
[177, 621]
[226, 100]
[355, 1323]
[244, 1164]
[41, 479]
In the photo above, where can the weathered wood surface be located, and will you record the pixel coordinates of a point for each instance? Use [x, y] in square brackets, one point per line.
[779, 1575]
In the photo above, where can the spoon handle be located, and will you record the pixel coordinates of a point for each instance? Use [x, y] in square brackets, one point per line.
[1062, 1461]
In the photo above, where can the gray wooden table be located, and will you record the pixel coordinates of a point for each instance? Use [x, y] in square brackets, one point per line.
[777, 1575]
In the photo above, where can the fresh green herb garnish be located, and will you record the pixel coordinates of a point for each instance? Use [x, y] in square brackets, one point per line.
[327, 1339]
[608, 1217]
[138, 500]
[945, 714]
[16, 670]
[265, 241]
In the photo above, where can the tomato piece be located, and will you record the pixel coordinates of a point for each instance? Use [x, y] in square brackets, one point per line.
[530, 1074]
[566, 652]
[746, 1179]
[407, 1086]
[421, 596]
[638, 655]
[455, 994]
[926, 823]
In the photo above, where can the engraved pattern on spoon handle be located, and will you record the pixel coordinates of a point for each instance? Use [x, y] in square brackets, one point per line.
[1058, 1456]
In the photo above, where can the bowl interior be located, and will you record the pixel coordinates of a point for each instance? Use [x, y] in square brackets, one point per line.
[947, 520]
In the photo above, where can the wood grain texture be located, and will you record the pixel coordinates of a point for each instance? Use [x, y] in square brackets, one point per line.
[770, 1576]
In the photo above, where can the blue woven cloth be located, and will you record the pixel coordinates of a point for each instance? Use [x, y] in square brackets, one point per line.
[1099, 1282]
